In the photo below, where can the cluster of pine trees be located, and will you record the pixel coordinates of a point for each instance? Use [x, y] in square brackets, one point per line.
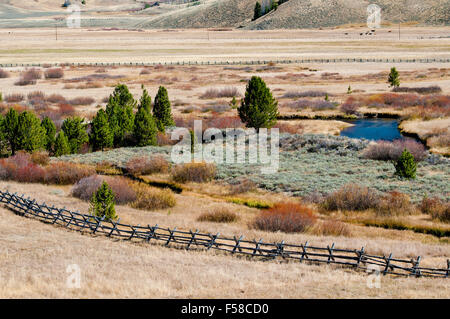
[116, 126]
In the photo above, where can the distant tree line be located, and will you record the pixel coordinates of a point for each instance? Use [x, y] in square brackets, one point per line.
[116, 126]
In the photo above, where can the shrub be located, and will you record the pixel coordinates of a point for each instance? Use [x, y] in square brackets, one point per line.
[406, 166]
[436, 208]
[193, 172]
[350, 106]
[82, 101]
[242, 186]
[332, 228]
[87, 186]
[40, 158]
[387, 151]
[153, 198]
[395, 203]
[286, 217]
[57, 99]
[29, 77]
[421, 90]
[222, 93]
[102, 203]
[3, 74]
[66, 109]
[218, 215]
[63, 173]
[351, 197]
[55, 73]
[144, 165]
[14, 98]
[292, 94]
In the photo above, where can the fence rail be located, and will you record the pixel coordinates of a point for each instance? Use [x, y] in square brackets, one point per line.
[249, 62]
[358, 259]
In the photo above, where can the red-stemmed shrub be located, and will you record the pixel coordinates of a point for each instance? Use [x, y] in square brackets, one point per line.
[85, 188]
[55, 73]
[144, 165]
[285, 217]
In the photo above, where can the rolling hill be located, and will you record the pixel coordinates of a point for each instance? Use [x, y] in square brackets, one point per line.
[293, 14]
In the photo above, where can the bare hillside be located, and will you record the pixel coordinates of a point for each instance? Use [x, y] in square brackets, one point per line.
[294, 14]
[328, 13]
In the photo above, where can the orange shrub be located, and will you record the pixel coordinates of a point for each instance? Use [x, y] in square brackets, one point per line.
[285, 217]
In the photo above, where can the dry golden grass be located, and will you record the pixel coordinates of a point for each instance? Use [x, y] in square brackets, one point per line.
[111, 269]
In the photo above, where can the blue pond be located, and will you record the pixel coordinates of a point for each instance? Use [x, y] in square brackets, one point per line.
[373, 129]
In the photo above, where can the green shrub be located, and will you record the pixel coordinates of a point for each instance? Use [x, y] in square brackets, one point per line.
[102, 203]
[406, 166]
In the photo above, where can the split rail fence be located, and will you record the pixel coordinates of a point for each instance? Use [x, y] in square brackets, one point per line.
[249, 62]
[358, 259]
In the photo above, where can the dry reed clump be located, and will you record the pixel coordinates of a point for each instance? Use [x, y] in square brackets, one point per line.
[86, 187]
[4, 74]
[391, 151]
[193, 172]
[56, 98]
[394, 204]
[40, 158]
[351, 197]
[219, 215]
[439, 140]
[29, 77]
[144, 165]
[242, 186]
[213, 93]
[66, 109]
[152, 198]
[436, 208]
[421, 90]
[285, 217]
[54, 73]
[14, 98]
[332, 227]
[82, 100]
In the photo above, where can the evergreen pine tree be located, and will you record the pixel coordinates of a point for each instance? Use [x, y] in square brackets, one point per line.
[100, 136]
[145, 128]
[257, 11]
[406, 166]
[31, 135]
[394, 79]
[120, 114]
[162, 111]
[102, 203]
[62, 146]
[10, 127]
[3, 141]
[258, 108]
[75, 131]
[50, 133]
